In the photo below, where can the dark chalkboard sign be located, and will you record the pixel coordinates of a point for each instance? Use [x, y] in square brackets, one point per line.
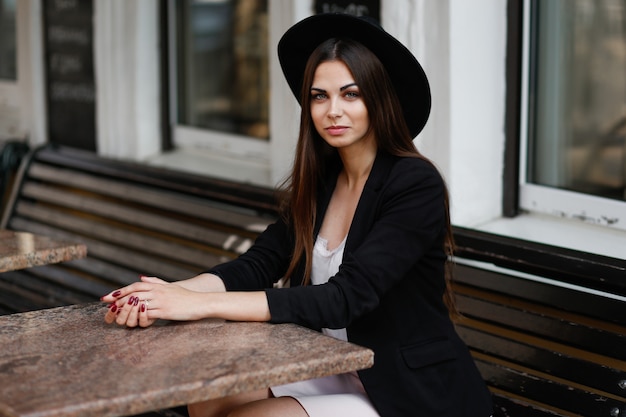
[68, 37]
[369, 8]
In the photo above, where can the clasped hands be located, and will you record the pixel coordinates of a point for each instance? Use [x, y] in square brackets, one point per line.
[145, 301]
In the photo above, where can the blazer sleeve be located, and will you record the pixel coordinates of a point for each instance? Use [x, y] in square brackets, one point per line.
[261, 266]
[396, 227]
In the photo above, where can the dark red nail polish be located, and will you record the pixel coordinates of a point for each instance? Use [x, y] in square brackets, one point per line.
[131, 300]
[113, 308]
[136, 301]
[116, 293]
[143, 308]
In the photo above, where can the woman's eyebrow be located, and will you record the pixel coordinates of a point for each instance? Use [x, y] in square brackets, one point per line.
[321, 90]
[347, 86]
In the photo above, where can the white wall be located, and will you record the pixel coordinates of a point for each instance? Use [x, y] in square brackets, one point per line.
[461, 46]
[127, 73]
[477, 97]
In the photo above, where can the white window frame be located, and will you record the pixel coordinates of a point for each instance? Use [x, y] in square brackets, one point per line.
[240, 157]
[228, 144]
[22, 102]
[547, 200]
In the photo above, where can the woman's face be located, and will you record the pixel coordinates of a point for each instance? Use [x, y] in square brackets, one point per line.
[337, 108]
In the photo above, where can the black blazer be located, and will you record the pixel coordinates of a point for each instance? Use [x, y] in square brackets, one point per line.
[387, 293]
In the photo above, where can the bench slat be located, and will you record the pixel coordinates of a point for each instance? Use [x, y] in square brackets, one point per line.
[587, 304]
[550, 395]
[557, 363]
[510, 407]
[53, 291]
[16, 298]
[142, 264]
[549, 328]
[178, 203]
[261, 200]
[141, 240]
[135, 217]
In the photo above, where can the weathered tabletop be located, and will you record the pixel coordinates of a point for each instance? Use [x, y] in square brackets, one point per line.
[20, 250]
[67, 362]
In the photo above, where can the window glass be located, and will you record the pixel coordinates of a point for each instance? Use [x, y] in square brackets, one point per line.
[8, 59]
[222, 66]
[577, 109]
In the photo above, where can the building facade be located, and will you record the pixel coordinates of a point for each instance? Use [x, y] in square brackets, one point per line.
[529, 98]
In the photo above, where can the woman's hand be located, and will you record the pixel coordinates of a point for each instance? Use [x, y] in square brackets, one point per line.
[142, 303]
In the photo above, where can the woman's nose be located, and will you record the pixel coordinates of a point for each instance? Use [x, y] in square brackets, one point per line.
[334, 110]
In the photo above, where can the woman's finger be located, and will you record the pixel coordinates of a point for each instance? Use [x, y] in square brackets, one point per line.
[144, 320]
[112, 296]
[153, 280]
[123, 292]
[111, 313]
[124, 311]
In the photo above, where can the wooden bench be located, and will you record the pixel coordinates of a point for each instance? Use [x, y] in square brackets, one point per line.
[546, 326]
[135, 219]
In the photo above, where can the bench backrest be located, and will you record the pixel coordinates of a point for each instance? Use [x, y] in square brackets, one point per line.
[546, 326]
[135, 219]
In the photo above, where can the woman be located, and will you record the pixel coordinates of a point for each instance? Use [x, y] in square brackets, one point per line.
[363, 240]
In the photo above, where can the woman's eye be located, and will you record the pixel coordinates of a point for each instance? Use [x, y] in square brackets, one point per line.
[318, 96]
[352, 94]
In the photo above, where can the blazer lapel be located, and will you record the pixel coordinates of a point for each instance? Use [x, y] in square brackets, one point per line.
[367, 207]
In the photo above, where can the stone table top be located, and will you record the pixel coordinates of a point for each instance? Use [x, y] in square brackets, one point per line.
[67, 361]
[20, 250]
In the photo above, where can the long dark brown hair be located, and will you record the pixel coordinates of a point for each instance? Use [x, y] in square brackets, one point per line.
[314, 156]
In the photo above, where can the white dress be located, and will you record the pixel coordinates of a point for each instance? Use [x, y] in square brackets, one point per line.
[337, 395]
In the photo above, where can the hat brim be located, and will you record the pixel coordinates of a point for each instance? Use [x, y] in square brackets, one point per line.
[406, 73]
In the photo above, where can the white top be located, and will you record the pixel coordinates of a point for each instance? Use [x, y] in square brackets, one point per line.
[325, 265]
[337, 395]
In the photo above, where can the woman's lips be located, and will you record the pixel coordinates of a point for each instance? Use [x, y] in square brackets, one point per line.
[336, 130]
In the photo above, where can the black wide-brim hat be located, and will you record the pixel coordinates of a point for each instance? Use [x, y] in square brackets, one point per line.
[406, 73]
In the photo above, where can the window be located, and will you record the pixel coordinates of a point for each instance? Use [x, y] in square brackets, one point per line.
[221, 75]
[575, 111]
[8, 41]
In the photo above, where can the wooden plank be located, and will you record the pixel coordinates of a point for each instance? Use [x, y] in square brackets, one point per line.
[570, 266]
[548, 393]
[509, 407]
[118, 275]
[146, 241]
[243, 195]
[587, 304]
[545, 360]
[142, 264]
[551, 328]
[137, 217]
[15, 298]
[36, 284]
[78, 283]
[183, 204]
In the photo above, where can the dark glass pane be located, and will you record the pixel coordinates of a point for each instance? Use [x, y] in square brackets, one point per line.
[578, 107]
[223, 69]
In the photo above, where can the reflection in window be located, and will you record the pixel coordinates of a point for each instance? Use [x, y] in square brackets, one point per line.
[8, 42]
[577, 138]
[223, 68]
